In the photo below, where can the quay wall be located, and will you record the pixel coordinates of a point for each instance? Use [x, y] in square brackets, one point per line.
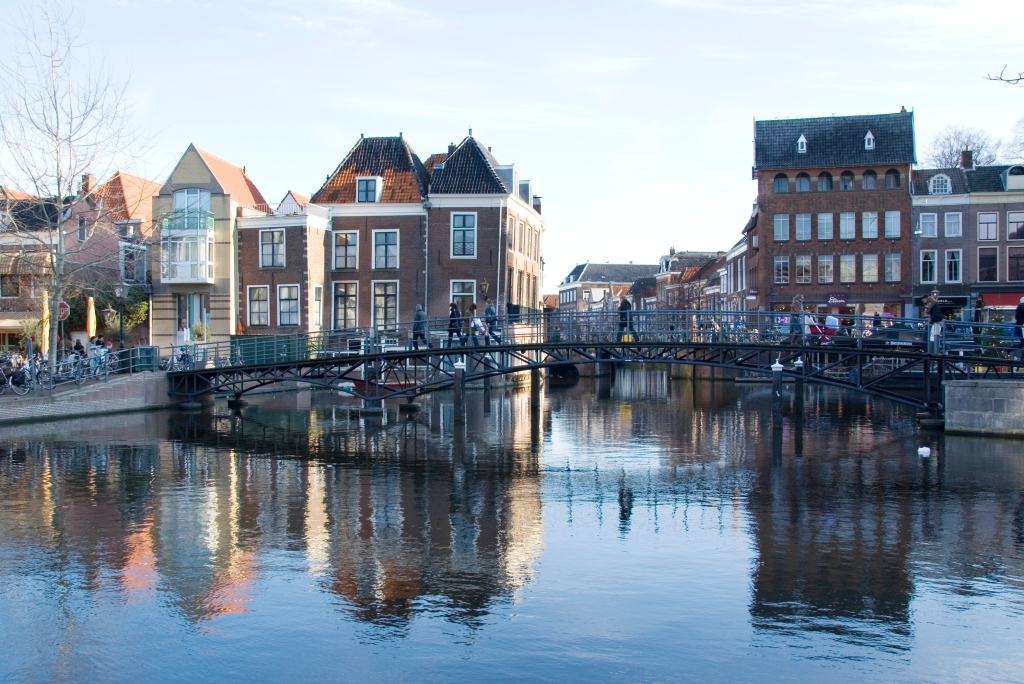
[119, 394]
[985, 407]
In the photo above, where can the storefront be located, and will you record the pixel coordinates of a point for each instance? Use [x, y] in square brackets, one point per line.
[839, 304]
[997, 307]
[953, 308]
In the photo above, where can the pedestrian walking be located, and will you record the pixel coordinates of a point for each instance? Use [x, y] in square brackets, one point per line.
[934, 310]
[491, 319]
[1018, 319]
[876, 320]
[419, 328]
[476, 325]
[625, 319]
[454, 324]
[795, 311]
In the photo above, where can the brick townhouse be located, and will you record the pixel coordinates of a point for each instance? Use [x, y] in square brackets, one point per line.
[833, 214]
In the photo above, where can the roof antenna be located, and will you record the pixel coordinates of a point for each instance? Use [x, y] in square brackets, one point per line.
[399, 135]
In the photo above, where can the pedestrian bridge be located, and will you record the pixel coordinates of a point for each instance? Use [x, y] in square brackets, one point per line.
[898, 359]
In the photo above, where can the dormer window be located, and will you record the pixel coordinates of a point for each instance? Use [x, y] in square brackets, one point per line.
[368, 189]
[801, 145]
[939, 185]
[869, 141]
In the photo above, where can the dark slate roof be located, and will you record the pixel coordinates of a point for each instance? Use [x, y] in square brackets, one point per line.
[616, 273]
[641, 284]
[468, 170]
[986, 178]
[834, 141]
[392, 158]
[574, 273]
[680, 261]
[922, 177]
[32, 214]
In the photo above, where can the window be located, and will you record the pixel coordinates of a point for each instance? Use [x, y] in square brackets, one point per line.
[988, 264]
[824, 181]
[869, 141]
[869, 225]
[536, 245]
[133, 263]
[81, 228]
[366, 190]
[126, 229]
[988, 226]
[892, 224]
[385, 304]
[824, 227]
[847, 268]
[928, 266]
[801, 145]
[463, 236]
[847, 225]
[1014, 225]
[928, 225]
[10, 286]
[846, 180]
[1015, 257]
[954, 274]
[346, 250]
[345, 305]
[271, 249]
[892, 268]
[954, 225]
[192, 210]
[510, 235]
[385, 249]
[781, 227]
[782, 270]
[287, 304]
[803, 227]
[519, 287]
[259, 305]
[939, 184]
[463, 294]
[803, 183]
[870, 181]
[869, 268]
[318, 305]
[511, 284]
[825, 269]
[892, 179]
[781, 183]
[522, 236]
[803, 270]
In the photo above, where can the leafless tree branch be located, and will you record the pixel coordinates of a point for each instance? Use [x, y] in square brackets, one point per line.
[1002, 77]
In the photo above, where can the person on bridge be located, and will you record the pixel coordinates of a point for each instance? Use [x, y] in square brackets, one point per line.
[625, 319]
[455, 325]
[1018, 318]
[491, 319]
[795, 322]
[419, 328]
[934, 310]
[475, 325]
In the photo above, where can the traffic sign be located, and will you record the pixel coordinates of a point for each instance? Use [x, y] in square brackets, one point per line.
[63, 311]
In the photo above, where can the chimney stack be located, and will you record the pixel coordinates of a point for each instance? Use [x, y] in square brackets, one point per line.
[85, 188]
[671, 251]
[967, 159]
[451, 148]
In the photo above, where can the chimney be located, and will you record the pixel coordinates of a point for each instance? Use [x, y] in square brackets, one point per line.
[451, 148]
[671, 251]
[86, 187]
[967, 159]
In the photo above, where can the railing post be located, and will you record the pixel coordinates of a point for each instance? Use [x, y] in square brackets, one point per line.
[798, 397]
[777, 395]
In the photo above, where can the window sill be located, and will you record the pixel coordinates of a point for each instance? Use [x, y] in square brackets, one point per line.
[272, 268]
[462, 257]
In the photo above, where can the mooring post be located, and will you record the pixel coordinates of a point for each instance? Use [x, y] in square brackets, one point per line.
[535, 388]
[460, 387]
[777, 395]
[798, 398]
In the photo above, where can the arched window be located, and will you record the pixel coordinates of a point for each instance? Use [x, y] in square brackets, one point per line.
[846, 181]
[781, 183]
[824, 181]
[892, 179]
[803, 183]
[939, 185]
[1016, 171]
[870, 181]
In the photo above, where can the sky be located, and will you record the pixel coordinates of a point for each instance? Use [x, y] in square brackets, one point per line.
[633, 119]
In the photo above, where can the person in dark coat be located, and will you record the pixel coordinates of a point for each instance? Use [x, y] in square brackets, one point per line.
[419, 327]
[454, 324]
[1018, 318]
[491, 320]
[625, 318]
[935, 318]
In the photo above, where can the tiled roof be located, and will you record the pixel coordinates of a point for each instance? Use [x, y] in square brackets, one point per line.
[233, 180]
[922, 177]
[13, 194]
[129, 197]
[299, 199]
[987, 178]
[551, 301]
[834, 141]
[468, 170]
[391, 158]
[616, 273]
[434, 159]
[680, 261]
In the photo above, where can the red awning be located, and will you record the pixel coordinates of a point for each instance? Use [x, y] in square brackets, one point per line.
[1002, 299]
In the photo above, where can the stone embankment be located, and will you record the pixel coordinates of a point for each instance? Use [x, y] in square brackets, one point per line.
[985, 407]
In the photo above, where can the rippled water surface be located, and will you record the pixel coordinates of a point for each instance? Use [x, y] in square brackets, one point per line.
[641, 530]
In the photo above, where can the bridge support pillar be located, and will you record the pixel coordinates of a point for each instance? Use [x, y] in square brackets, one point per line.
[371, 407]
[459, 387]
[798, 397]
[777, 395]
[535, 388]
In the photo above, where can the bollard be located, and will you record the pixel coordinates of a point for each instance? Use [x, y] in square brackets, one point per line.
[777, 395]
[535, 388]
[798, 399]
[460, 387]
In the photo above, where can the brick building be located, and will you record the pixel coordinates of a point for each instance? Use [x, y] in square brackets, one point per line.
[833, 214]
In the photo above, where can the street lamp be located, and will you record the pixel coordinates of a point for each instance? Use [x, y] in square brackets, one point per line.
[119, 292]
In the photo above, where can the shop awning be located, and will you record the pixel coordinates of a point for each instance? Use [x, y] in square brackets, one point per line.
[1002, 300]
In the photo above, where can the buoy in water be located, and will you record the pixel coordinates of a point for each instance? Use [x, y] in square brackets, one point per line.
[924, 452]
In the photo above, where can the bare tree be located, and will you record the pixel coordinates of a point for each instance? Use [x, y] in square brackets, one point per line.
[62, 116]
[1004, 78]
[1014, 151]
[950, 142]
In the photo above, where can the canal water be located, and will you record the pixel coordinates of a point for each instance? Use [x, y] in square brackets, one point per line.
[641, 530]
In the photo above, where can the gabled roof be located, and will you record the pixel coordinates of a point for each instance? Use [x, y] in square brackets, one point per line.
[391, 158]
[680, 261]
[296, 197]
[14, 194]
[233, 180]
[128, 197]
[920, 179]
[468, 170]
[550, 301]
[434, 159]
[835, 141]
[988, 178]
[616, 273]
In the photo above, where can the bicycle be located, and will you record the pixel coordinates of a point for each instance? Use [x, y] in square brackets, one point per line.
[15, 379]
[179, 361]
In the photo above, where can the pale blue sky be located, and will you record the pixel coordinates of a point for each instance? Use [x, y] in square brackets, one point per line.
[634, 120]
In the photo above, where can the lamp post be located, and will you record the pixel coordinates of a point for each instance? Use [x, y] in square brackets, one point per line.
[119, 292]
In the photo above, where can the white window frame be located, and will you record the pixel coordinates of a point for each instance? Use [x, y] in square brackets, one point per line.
[960, 267]
[988, 213]
[334, 307]
[298, 292]
[248, 305]
[869, 219]
[893, 218]
[869, 141]
[378, 189]
[864, 260]
[933, 185]
[398, 249]
[977, 262]
[1008, 271]
[775, 270]
[318, 306]
[451, 234]
[852, 225]
[831, 228]
[141, 252]
[847, 258]
[334, 250]
[796, 228]
[959, 226]
[831, 261]
[886, 260]
[935, 225]
[935, 266]
[284, 248]
[808, 261]
[452, 294]
[373, 301]
[777, 220]
[801, 145]
[1008, 238]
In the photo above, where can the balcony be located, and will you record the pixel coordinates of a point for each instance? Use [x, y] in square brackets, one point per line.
[186, 247]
